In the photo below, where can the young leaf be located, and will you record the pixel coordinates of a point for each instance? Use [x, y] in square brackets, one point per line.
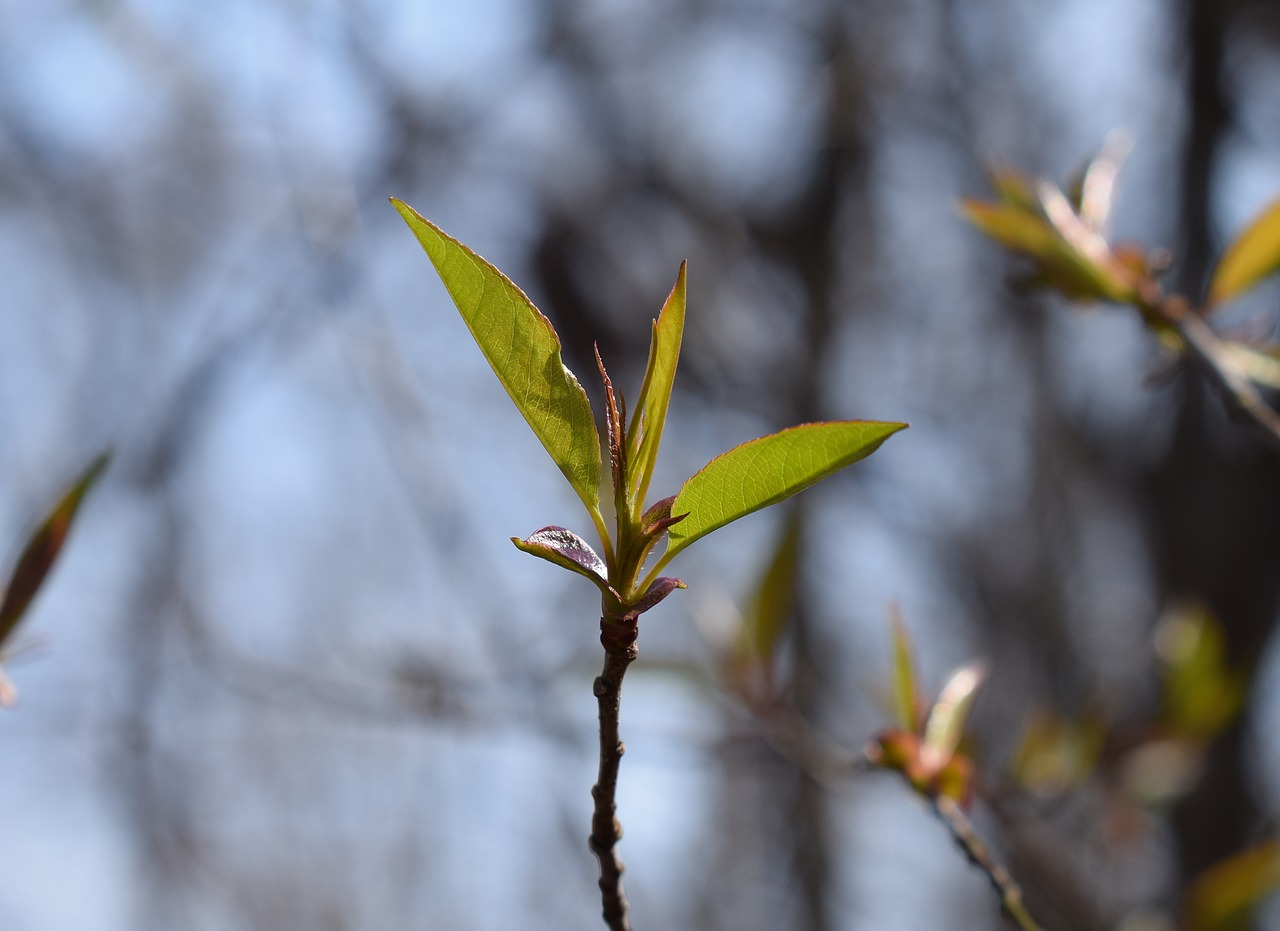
[658, 590]
[1085, 275]
[645, 431]
[524, 351]
[943, 730]
[42, 550]
[773, 603]
[1257, 363]
[1254, 255]
[1013, 189]
[904, 677]
[767, 470]
[1093, 193]
[1224, 894]
[567, 550]
[1087, 244]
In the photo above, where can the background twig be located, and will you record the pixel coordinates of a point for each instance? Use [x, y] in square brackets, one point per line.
[964, 833]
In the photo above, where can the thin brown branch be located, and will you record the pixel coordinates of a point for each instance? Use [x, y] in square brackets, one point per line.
[619, 640]
[966, 836]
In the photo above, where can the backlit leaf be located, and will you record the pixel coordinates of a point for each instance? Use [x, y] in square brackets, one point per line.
[773, 602]
[650, 415]
[1254, 255]
[1093, 192]
[1057, 754]
[524, 351]
[42, 550]
[904, 676]
[1065, 266]
[1222, 897]
[1013, 189]
[1086, 248]
[1202, 693]
[945, 727]
[767, 470]
[1258, 363]
[567, 550]
[658, 590]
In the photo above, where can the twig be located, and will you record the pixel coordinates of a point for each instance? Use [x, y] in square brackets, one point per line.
[1204, 349]
[793, 737]
[619, 640]
[964, 833]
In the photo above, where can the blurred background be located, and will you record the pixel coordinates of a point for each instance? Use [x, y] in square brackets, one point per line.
[292, 674]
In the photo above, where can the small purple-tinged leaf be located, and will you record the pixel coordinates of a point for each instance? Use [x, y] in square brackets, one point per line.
[658, 511]
[42, 550]
[615, 416]
[659, 517]
[661, 588]
[567, 550]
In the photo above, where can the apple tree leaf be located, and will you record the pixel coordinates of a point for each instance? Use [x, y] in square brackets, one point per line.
[947, 718]
[1224, 894]
[524, 351]
[767, 470]
[567, 550]
[773, 602]
[645, 430]
[905, 692]
[1253, 255]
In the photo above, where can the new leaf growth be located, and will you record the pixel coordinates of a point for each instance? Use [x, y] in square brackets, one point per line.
[524, 350]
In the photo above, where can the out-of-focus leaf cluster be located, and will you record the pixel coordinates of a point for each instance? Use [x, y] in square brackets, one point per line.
[1065, 235]
[925, 746]
[523, 349]
[1201, 695]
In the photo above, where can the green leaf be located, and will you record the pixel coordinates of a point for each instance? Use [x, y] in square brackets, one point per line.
[1013, 226]
[1222, 897]
[943, 730]
[524, 351]
[1081, 267]
[904, 677]
[1013, 189]
[772, 604]
[645, 431]
[1202, 693]
[767, 470]
[1254, 255]
[42, 550]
